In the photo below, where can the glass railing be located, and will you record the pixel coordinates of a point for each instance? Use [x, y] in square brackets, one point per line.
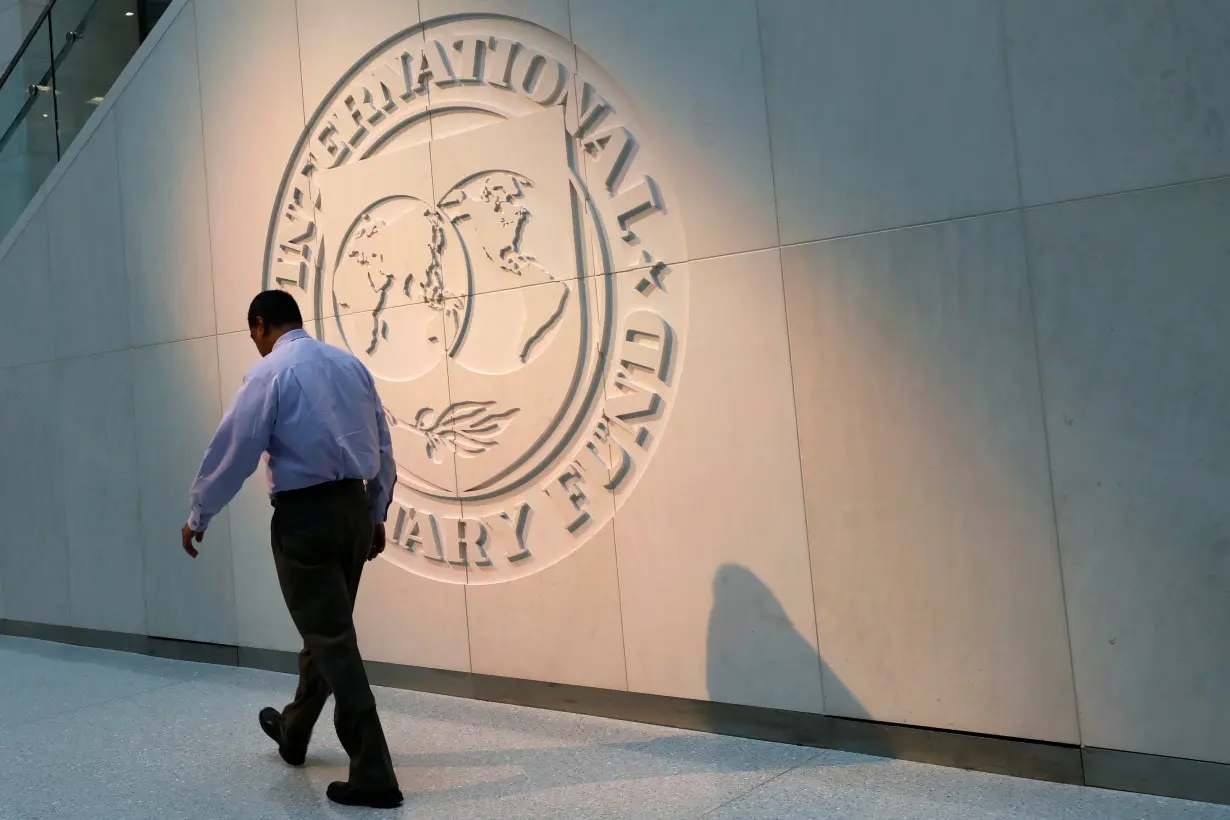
[60, 73]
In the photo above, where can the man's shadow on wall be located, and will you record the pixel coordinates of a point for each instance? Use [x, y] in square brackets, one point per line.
[756, 657]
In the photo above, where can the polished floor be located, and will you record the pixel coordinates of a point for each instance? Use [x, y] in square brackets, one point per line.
[109, 736]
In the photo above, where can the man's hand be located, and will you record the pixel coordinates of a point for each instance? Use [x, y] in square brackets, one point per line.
[189, 536]
[377, 543]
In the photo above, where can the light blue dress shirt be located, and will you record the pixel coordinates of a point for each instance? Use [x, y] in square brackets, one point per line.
[314, 409]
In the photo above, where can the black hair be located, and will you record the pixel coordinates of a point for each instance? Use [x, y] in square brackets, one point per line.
[277, 307]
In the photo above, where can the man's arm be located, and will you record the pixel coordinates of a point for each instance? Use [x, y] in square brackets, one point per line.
[235, 451]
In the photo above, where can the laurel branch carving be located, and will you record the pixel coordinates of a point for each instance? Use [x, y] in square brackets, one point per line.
[468, 428]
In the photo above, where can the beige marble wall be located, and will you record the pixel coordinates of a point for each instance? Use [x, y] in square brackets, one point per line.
[913, 414]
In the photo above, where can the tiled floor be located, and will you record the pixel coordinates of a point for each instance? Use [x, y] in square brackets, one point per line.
[108, 736]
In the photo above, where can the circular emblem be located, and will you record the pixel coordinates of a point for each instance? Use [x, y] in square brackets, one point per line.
[471, 212]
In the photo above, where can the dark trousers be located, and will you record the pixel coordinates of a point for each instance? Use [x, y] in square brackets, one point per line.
[321, 537]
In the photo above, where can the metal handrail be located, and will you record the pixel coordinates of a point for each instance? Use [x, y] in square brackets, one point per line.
[25, 43]
[48, 80]
[57, 54]
[34, 90]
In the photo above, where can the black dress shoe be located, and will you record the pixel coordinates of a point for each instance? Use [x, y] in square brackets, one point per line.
[271, 723]
[348, 795]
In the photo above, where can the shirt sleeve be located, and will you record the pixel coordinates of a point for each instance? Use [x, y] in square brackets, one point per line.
[235, 451]
[380, 488]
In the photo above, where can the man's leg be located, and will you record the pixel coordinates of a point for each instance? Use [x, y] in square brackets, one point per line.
[361, 734]
[300, 715]
[314, 544]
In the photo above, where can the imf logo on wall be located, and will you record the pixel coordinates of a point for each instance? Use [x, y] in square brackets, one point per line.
[473, 212]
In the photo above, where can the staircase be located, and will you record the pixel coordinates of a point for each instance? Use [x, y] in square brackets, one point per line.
[61, 58]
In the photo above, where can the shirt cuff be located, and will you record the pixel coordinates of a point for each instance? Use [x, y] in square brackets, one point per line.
[198, 522]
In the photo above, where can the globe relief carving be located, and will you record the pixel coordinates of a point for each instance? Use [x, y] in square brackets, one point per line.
[480, 223]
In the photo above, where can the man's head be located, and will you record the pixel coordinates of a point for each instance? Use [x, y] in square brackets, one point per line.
[271, 315]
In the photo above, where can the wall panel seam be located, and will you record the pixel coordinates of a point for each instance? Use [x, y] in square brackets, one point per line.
[1022, 226]
[583, 170]
[213, 296]
[209, 234]
[299, 57]
[768, 124]
[794, 402]
[132, 386]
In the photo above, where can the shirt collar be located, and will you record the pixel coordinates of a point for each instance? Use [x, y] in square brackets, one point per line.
[291, 336]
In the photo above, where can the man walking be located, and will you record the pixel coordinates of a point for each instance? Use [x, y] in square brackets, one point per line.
[315, 411]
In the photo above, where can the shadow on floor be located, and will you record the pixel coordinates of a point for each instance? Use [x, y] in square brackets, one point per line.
[755, 657]
[446, 777]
